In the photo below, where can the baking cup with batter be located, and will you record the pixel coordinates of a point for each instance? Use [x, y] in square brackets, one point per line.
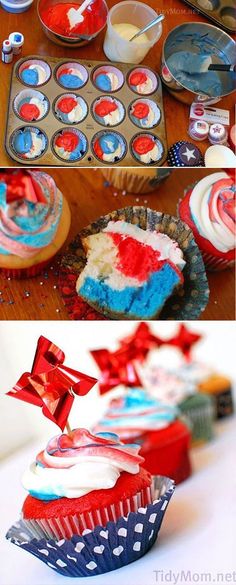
[147, 149]
[38, 72]
[31, 105]
[142, 81]
[107, 78]
[69, 144]
[108, 111]
[28, 134]
[188, 302]
[104, 547]
[71, 75]
[70, 108]
[144, 113]
[100, 151]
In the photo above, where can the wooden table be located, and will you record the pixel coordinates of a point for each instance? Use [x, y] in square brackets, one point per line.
[176, 114]
[89, 197]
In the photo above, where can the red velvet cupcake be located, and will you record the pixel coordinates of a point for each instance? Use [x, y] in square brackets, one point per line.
[82, 480]
[164, 439]
[209, 210]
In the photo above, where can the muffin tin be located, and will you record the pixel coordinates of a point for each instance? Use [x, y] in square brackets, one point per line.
[221, 12]
[90, 127]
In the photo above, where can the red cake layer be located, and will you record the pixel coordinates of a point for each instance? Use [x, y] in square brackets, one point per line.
[166, 452]
[126, 486]
[203, 243]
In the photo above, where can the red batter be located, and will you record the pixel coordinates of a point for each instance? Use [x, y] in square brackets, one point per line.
[67, 104]
[104, 108]
[68, 140]
[29, 112]
[140, 110]
[135, 259]
[55, 17]
[143, 144]
[137, 78]
[97, 149]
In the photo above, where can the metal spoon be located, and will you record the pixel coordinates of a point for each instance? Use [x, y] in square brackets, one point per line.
[156, 20]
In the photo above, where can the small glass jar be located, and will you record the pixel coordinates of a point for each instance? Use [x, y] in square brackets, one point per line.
[217, 134]
[198, 129]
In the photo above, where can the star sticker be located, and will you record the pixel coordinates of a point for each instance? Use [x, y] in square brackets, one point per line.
[189, 154]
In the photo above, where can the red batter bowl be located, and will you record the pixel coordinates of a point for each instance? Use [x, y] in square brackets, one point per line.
[89, 30]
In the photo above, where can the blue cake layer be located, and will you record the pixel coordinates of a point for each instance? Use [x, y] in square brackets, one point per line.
[143, 302]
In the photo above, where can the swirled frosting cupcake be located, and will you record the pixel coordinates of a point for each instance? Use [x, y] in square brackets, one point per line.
[174, 389]
[164, 439]
[209, 210]
[34, 221]
[82, 479]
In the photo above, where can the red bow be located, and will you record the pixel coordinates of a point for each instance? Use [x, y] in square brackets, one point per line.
[141, 341]
[116, 368]
[51, 385]
[184, 340]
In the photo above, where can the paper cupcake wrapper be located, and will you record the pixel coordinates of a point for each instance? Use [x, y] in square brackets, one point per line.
[212, 263]
[29, 272]
[106, 547]
[188, 302]
[121, 179]
[224, 405]
[201, 419]
[67, 526]
[31, 93]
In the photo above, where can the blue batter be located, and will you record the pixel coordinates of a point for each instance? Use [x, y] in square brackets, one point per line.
[23, 142]
[144, 302]
[208, 83]
[109, 143]
[30, 76]
[70, 81]
[103, 82]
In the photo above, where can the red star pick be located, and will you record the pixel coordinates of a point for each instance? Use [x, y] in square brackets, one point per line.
[184, 340]
[141, 341]
[50, 384]
[116, 368]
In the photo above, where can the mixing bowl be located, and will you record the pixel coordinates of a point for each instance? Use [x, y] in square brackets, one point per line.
[69, 41]
[198, 38]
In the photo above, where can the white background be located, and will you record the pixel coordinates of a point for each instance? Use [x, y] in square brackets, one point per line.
[197, 534]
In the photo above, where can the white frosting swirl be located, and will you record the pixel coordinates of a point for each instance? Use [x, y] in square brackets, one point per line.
[74, 465]
[212, 220]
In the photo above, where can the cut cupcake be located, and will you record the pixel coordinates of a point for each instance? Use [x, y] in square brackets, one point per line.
[130, 272]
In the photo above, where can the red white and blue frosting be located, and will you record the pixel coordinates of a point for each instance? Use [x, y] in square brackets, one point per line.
[74, 465]
[130, 270]
[136, 413]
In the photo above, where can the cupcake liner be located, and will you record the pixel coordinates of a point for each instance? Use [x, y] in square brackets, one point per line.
[66, 526]
[156, 142]
[79, 100]
[111, 99]
[188, 301]
[59, 154]
[73, 65]
[34, 130]
[135, 183]
[149, 74]
[212, 263]
[201, 419]
[19, 273]
[105, 548]
[122, 143]
[153, 106]
[30, 93]
[108, 69]
[215, 264]
[223, 402]
[29, 62]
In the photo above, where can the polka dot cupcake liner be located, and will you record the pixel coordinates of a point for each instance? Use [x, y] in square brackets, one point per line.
[189, 300]
[106, 547]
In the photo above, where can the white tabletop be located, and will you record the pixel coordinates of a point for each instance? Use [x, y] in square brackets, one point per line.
[196, 536]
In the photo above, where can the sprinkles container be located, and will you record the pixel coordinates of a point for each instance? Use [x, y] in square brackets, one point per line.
[106, 546]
